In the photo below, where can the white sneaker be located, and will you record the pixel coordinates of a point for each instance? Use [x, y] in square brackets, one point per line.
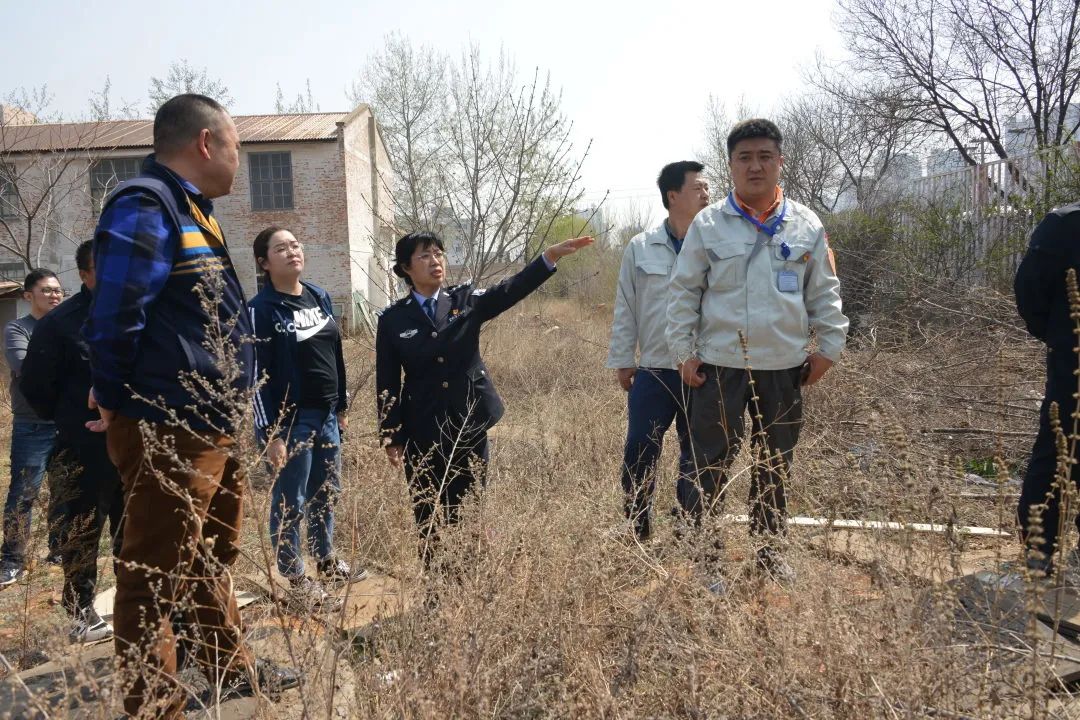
[89, 627]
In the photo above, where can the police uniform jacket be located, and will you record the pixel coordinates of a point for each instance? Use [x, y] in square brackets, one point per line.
[1041, 295]
[446, 387]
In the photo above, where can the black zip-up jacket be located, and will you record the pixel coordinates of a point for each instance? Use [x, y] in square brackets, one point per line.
[56, 372]
[1041, 293]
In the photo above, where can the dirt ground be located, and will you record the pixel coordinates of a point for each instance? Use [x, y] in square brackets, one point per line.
[547, 608]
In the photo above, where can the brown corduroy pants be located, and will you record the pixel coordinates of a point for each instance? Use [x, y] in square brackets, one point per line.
[183, 505]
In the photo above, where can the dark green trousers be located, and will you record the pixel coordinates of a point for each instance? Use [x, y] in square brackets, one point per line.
[716, 433]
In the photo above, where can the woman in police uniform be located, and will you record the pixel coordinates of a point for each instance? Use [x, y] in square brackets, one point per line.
[435, 420]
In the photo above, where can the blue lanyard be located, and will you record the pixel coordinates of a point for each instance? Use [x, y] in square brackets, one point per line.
[770, 228]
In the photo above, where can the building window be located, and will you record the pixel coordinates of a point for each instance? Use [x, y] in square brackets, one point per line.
[13, 271]
[271, 180]
[260, 279]
[107, 173]
[9, 192]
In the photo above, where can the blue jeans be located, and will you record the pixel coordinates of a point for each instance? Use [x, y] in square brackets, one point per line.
[32, 446]
[656, 398]
[307, 487]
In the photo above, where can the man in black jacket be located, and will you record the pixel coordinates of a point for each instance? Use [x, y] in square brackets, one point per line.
[56, 382]
[1043, 302]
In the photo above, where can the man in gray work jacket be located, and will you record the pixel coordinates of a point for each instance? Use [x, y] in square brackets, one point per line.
[638, 351]
[755, 269]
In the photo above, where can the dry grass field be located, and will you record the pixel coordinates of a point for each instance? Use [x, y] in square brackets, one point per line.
[548, 608]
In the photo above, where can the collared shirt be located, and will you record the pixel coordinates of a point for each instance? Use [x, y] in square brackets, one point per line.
[421, 299]
[778, 199]
[676, 242]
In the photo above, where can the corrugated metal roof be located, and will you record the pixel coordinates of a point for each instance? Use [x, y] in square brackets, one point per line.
[285, 128]
[119, 134]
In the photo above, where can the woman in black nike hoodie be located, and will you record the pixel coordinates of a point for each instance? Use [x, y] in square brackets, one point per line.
[299, 412]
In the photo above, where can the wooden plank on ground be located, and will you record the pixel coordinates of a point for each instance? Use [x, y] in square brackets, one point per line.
[103, 601]
[376, 596]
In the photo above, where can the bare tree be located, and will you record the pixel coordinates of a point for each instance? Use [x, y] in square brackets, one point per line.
[183, 78]
[304, 102]
[407, 88]
[718, 123]
[634, 218]
[843, 154]
[103, 108]
[481, 156]
[43, 166]
[973, 70]
[813, 174]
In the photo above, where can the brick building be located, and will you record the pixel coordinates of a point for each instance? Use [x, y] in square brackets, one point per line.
[325, 176]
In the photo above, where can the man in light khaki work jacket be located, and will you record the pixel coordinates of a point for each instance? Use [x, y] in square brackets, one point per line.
[756, 268]
[639, 351]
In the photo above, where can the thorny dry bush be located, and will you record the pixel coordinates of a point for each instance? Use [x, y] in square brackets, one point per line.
[547, 609]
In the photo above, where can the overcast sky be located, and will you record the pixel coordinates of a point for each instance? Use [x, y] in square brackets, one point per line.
[635, 75]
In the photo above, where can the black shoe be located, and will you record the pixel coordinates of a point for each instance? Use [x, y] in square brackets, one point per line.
[683, 524]
[338, 571]
[773, 564]
[11, 574]
[54, 558]
[271, 680]
[643, 527]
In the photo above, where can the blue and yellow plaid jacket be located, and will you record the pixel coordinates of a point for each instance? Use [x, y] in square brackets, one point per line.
[165, 287]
